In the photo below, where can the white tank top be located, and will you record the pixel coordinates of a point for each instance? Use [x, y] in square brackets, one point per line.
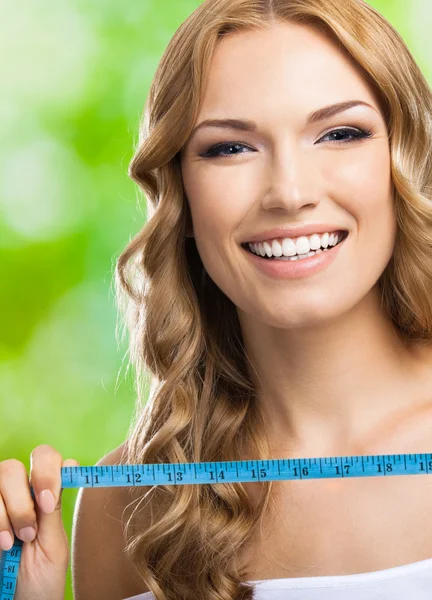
[413, 581]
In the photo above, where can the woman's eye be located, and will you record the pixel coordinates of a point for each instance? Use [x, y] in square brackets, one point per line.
[355, 134]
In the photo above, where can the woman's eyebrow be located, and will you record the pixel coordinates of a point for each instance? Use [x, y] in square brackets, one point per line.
[244, 125]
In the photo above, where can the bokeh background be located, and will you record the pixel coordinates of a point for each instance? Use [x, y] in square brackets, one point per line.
[74, 79]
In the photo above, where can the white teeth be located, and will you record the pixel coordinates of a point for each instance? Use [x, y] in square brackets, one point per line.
[276, 248]
[267, 248]
[325, 240]
[301, 247]
[289, 247]
[315, 241]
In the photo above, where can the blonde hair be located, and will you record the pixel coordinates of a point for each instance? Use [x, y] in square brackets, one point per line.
[184, 332]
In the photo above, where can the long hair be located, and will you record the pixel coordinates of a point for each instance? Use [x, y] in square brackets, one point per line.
[195, 399]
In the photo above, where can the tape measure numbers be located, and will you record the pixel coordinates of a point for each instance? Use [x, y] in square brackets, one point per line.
[220, 472]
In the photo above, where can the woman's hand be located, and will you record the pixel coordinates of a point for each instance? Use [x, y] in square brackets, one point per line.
[45, 552]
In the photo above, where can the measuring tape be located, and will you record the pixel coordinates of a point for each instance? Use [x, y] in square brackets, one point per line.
[220, 472]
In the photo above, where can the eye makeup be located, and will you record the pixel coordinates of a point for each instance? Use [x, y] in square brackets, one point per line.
[355, 134]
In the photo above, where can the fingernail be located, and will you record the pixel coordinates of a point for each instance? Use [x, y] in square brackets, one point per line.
[46, 501]
[6, 541]
[27, 534]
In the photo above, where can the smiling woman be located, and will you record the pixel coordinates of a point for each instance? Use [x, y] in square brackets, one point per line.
[291, 127]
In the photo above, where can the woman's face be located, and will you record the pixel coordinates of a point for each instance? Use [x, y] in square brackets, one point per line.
[288, 172]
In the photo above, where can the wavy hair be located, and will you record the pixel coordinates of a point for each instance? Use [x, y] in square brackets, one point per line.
[195, 399]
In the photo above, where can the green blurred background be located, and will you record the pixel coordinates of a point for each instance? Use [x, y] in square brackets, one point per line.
[75, 76]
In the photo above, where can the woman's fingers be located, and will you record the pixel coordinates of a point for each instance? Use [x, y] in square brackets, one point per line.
[45, 465]
[25, 506]
[30, 517]
[45, 478]
[17, 512]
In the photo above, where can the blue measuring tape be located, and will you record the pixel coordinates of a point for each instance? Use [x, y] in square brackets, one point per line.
[220, 472]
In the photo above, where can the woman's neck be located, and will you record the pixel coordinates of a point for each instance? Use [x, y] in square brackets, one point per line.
[333, 387]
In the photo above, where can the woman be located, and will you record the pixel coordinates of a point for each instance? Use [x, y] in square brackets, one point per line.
[264, 357]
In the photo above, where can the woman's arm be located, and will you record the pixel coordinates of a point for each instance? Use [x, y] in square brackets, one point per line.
[100, 569]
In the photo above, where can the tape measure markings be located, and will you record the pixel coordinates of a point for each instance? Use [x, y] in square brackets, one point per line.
[331, 467]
